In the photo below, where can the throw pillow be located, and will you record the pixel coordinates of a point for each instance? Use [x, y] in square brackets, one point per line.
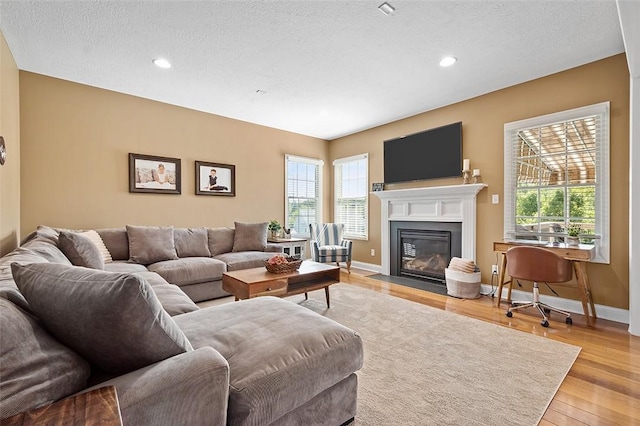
[151, 244]
[96, 239]
[116, 241]
[113, 320]
[220, 240]
[36, 369]
[191, 242]
[250, 236]
[80, 250]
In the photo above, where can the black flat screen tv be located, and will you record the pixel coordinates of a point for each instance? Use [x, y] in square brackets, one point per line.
[431, 154]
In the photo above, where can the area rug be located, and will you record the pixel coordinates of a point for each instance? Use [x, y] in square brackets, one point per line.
[425, 366]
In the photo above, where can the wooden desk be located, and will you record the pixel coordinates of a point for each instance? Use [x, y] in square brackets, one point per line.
[97, 407]
[579, 256]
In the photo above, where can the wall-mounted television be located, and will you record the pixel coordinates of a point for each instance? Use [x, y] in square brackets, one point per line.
[431, 154]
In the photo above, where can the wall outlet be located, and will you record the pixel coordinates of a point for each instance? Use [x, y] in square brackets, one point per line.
[373, 252]
[495, 199]
[494, 269]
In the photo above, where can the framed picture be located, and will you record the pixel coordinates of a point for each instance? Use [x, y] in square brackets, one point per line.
[149, 173]
[215, 179]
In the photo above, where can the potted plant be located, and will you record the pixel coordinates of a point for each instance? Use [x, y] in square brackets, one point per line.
[274, 227]
[573, 232]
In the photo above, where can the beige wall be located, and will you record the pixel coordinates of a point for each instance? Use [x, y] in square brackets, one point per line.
[75, 141]
[75, 145]
[10, 131]
[483, 120]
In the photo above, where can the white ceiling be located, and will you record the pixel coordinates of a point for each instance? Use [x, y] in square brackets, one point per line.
[329, 68]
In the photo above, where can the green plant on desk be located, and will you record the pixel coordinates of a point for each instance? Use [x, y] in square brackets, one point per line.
[574, 230]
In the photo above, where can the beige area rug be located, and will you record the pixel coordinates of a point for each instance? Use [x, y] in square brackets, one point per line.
[425, 366]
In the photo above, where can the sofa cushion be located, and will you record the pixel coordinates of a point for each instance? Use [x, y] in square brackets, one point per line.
[8, 288]
[124, 266]
[113, 320]
[250, 236]
[280, 354]
[150, 244]
[191, 242]
[36, 369]
[244, 259]
[46, 247]
[189, 270]
[171, 297]
[47, 233]
[220, 240]
[80, 250]
[116, 241]
[21, 255]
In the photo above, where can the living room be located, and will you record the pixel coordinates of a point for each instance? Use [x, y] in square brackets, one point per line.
[68, 145]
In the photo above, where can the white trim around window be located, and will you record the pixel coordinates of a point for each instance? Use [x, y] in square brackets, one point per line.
[601, 113]
[351, 195]
[304, 190]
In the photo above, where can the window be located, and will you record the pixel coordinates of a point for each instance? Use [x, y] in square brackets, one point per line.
[557, 177]
[351, 195]
[303, 200]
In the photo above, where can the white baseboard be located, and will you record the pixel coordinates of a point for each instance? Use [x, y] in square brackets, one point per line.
[367, 266]
[569, 305]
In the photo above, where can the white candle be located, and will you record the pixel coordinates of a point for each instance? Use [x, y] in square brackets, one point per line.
[476, 172]
[465, 164]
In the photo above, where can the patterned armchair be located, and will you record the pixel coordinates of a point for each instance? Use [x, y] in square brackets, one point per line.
[327, 244]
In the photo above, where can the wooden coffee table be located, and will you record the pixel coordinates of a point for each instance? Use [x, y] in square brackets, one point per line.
[248, 283]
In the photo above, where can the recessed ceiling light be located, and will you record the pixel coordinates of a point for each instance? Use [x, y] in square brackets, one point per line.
[448, 61]
[162, 63]
[386, 8]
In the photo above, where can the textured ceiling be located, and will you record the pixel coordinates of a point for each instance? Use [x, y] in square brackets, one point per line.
[323, 68]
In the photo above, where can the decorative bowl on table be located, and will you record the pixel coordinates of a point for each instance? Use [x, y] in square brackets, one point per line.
[279, 264]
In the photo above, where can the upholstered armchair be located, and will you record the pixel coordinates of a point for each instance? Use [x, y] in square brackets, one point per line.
[327, 244]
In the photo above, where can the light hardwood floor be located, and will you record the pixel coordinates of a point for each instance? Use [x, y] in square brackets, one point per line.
[602, 387]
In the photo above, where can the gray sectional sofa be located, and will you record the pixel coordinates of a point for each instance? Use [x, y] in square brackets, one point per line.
[66, 329]
[200, 256]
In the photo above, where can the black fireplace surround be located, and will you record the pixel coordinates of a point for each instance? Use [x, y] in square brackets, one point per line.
[423, 249]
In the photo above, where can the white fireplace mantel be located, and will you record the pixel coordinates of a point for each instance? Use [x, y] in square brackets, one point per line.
[452, 203]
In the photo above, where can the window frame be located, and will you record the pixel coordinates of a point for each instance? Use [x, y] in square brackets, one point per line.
[339, 162]
[306, 160]
[602, 185]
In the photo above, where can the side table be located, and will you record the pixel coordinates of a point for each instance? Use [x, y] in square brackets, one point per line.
[294, 247]
[96, 407]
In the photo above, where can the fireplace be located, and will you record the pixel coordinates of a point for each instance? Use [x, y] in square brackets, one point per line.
[424, 254]
[436, 204]
[423, 249]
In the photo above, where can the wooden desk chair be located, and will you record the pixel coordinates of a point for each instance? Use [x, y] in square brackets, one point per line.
[538, 265]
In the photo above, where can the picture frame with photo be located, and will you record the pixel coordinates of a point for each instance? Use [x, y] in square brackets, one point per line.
[215, 179]
[154, 174]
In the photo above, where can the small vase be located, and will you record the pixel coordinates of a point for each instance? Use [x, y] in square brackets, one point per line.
[573, 241]
[274, 234]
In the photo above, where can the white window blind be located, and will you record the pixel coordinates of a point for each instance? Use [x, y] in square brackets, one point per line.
[303, 198]
[351, 183]
[557, 177]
